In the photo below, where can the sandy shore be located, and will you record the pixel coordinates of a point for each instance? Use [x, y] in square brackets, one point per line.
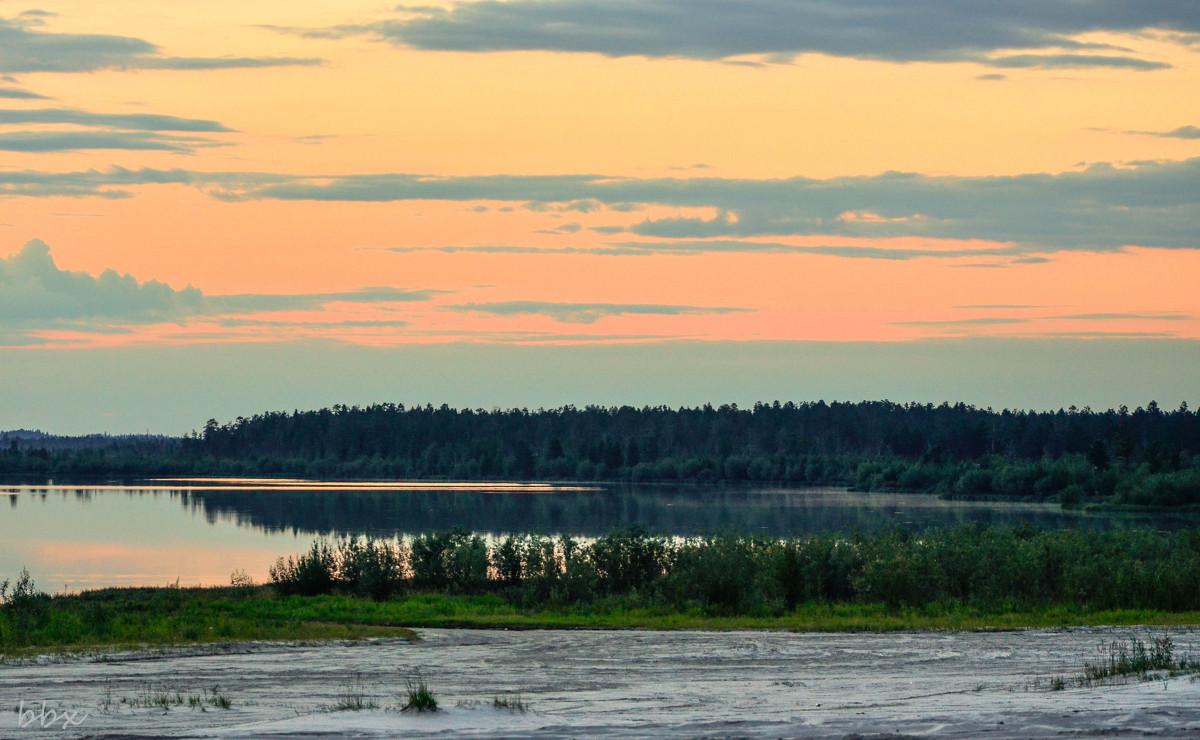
[614, 684]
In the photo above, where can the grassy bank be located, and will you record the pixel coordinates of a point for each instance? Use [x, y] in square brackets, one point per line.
[121, 618]
[136, 617]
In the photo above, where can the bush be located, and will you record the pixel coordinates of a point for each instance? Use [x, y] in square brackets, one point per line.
[310, 574]
[25, 607]
[371, 567]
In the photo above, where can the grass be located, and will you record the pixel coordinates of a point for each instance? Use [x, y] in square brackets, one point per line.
[511, 703]
[418, 696]
[135, 618]
[167, 699]
[354, 696]
[145, 617]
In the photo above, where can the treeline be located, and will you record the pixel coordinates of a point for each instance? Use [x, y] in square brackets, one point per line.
[1071, 480]
[1144, 456]
[1019, 567]
[766, 441]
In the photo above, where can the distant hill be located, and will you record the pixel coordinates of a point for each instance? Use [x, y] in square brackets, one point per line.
[32, 439]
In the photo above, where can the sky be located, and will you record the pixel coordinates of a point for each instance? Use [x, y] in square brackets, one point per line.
[209, 210]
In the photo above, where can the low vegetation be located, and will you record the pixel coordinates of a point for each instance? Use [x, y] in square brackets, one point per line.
[354, 696]
[418, 697]
[1134, 659]
[972, 577]
[137, 617]
[1017, 568]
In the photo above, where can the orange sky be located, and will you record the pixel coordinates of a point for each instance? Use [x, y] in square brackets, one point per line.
[677, 183]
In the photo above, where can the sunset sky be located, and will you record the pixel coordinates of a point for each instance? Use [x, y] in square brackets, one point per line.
[212, 209]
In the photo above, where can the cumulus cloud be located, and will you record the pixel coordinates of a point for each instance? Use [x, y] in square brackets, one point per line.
[25, 47]
[32, 287]
[587, 313]
[37, 295]
[889, 30]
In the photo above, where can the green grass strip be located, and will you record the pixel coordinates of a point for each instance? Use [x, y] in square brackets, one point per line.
[142, 617]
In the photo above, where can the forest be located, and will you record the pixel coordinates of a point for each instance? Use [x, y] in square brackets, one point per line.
[1146, 456]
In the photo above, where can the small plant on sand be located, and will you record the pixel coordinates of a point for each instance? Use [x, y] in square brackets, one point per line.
[354, 696]
[418, 696]
[511, 703]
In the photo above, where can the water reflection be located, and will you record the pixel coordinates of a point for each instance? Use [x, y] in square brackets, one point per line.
[155, 532]
[677, 511]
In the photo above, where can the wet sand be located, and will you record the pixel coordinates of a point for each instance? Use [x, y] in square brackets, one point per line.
[619, 684]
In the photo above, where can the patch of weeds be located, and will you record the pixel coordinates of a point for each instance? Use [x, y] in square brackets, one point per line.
[354, 696]
[168, 698]
[511, 703]
[419, 697]
[1133, 660]
[1154, 662]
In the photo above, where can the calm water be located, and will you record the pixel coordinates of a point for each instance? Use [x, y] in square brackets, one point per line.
[200, 531]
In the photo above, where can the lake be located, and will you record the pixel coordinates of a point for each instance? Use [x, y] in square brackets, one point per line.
[157, 532]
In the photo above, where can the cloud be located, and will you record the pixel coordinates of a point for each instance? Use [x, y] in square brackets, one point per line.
[257, 302]
[32, 287]
[26, 48]
[982, 321]
[14, 93]
[1073, 61]
[587, 313]
[70, 141]
[996, 307]
[1129, 316]
[1183, 132]
[126, 121]
[115, 182]
[886, 30]
[36, 295]
[1101, 207]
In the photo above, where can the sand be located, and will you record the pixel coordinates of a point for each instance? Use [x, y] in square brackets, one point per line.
[616, 684]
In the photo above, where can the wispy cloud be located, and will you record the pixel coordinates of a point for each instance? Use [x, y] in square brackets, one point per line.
[126, 121]
[587, 313]
[16, 93]
[886, 30]
[1183, 132]
[26, 47]
[996, 307]
[1101, 207]
[981, 321]
[70, 141]
[1128, 317]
